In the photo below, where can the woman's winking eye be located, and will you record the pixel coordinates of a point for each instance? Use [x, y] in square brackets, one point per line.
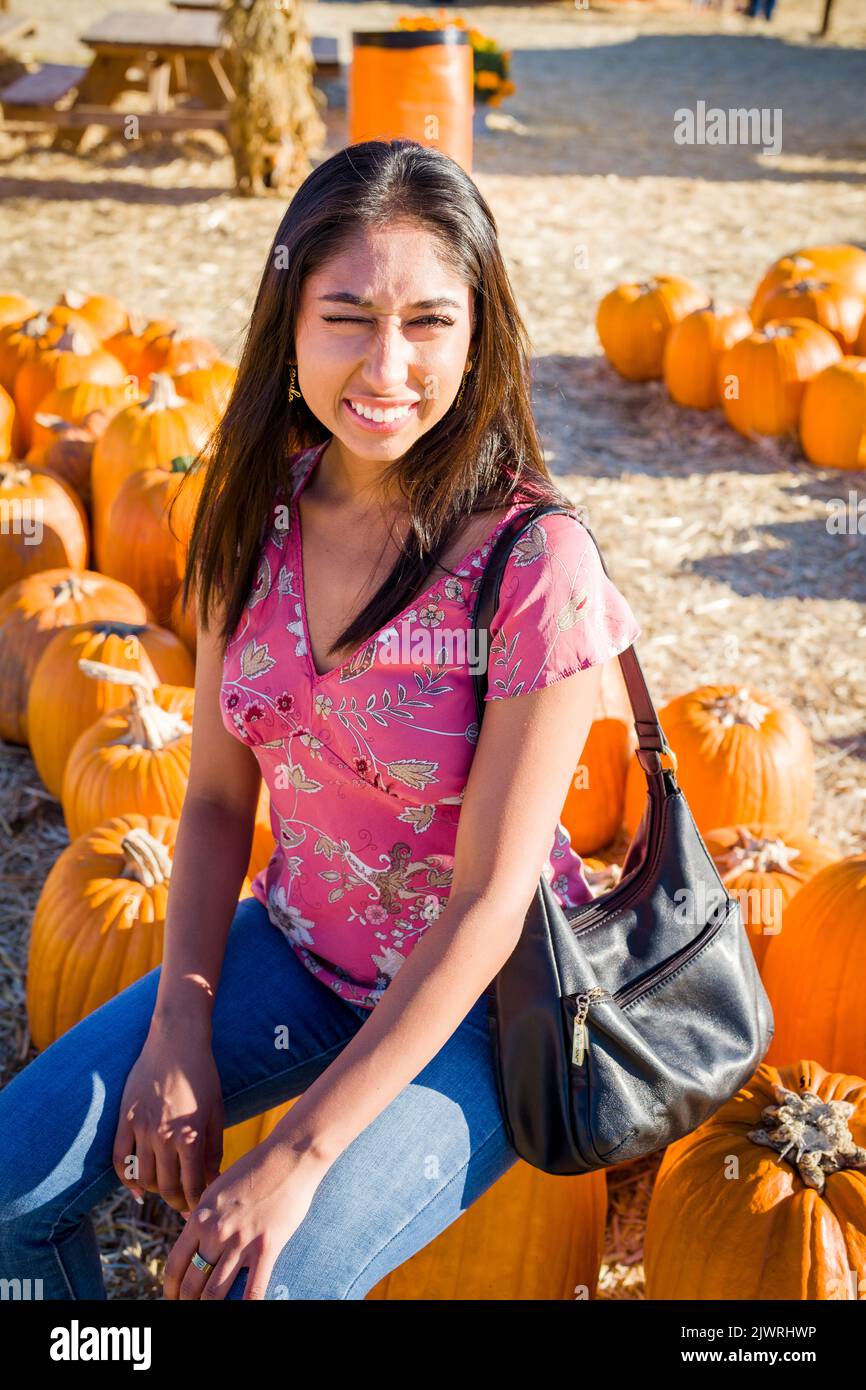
[428, 319]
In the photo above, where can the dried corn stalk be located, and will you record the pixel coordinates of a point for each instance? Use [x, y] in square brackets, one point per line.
[274, 122]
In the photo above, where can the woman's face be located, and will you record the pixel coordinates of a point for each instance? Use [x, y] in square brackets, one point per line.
[384, 328]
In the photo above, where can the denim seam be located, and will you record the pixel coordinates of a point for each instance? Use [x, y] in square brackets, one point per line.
[421, 1210]
[110, 1169]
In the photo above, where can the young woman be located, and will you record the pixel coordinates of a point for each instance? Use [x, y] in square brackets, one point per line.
[379, 437]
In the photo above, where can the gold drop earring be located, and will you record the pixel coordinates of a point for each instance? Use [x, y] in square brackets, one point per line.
[293, 394]
[467, 369]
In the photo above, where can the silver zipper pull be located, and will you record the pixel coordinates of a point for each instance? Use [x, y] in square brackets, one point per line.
[580, 1045]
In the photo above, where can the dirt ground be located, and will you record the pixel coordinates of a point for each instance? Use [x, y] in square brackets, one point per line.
[720, 544]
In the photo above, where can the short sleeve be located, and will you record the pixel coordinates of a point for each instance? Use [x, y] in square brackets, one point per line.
[558, 612]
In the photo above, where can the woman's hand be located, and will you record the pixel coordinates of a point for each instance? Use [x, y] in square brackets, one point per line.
[242, 1222]
[171, 1118]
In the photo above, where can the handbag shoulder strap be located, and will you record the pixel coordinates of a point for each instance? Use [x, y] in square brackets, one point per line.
[652, 743]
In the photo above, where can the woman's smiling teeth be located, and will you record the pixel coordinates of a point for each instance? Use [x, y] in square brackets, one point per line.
[379, 414]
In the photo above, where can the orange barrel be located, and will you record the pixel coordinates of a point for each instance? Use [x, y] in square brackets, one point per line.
[414, 84]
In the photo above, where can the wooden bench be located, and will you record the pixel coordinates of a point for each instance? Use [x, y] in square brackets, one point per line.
[34, 95]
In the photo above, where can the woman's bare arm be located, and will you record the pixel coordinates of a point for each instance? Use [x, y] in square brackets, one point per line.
[211, 854]
[528, 749]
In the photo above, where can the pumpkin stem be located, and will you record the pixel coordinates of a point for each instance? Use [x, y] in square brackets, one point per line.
[811, 1133]
[74, 588]
[73, 299]
[147, 859]
[162, 394]
[73, 340]
[757, 854]
[53, 422]
[148, 724]
[738, 707]
[14, 475]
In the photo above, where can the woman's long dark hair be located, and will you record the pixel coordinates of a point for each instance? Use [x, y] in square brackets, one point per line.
[480, 456]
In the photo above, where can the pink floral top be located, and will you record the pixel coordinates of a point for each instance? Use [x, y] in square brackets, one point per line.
[366, 765]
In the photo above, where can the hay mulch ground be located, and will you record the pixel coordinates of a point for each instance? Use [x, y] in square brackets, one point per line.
[720, 544]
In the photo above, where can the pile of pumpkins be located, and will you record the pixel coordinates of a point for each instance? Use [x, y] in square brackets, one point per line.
[794, 364]
[105, 414]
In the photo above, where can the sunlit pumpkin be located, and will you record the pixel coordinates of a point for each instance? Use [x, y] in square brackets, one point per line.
[32, 611]
[693, 349]
[833, 415]
[147, 434]
[763, 866]
[100, 920]
[105, 314]
[73, 404]
[593, 809]
[56, 720]
[135, 757]
[815, 967]
[7, 422]
[766, 1199]
[844, 262]
[143, 546]
[762, 377]
[210, 385]
[129, 342]
[823, 300]
[743, 756]
[65, 359]
[633, 322]
[183, 620]
[170, 352]
[45, 524]
[15, 308]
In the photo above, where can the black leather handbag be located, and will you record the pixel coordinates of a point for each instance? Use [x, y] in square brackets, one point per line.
[621, 1024]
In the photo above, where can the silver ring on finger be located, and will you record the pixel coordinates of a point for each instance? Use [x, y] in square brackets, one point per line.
[201, 1263]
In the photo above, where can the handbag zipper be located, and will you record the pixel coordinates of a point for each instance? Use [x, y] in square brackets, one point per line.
[629, 993]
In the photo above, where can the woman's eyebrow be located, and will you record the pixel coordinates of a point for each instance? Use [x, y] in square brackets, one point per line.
[345, 297]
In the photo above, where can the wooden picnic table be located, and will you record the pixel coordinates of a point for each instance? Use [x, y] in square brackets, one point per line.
[179, 60]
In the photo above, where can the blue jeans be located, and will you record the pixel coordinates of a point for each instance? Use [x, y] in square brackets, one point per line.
[432, 1152]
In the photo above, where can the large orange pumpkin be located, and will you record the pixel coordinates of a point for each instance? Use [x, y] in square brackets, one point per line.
[45, 524]
[844, 262]
[15, 308]
[128, 343]
[767, 1198]
[821, 299]
[210, 385]
[144, 546]
[183, 620]
[73, 404]
[64, 701]
[100, 920]
[693, 350]
[762, 377]
[593, 809]
[763, 866]
[32, 611]
[7, 423]
[147, 434]
[19, 342]
[833, 416]
[815, 967]
[169, 352]
[133, 758]
[105, 314]
[64, 358]
[633, 322]
[743, 755]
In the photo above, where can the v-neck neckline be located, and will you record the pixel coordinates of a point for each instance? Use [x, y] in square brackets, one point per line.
[317, 678]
